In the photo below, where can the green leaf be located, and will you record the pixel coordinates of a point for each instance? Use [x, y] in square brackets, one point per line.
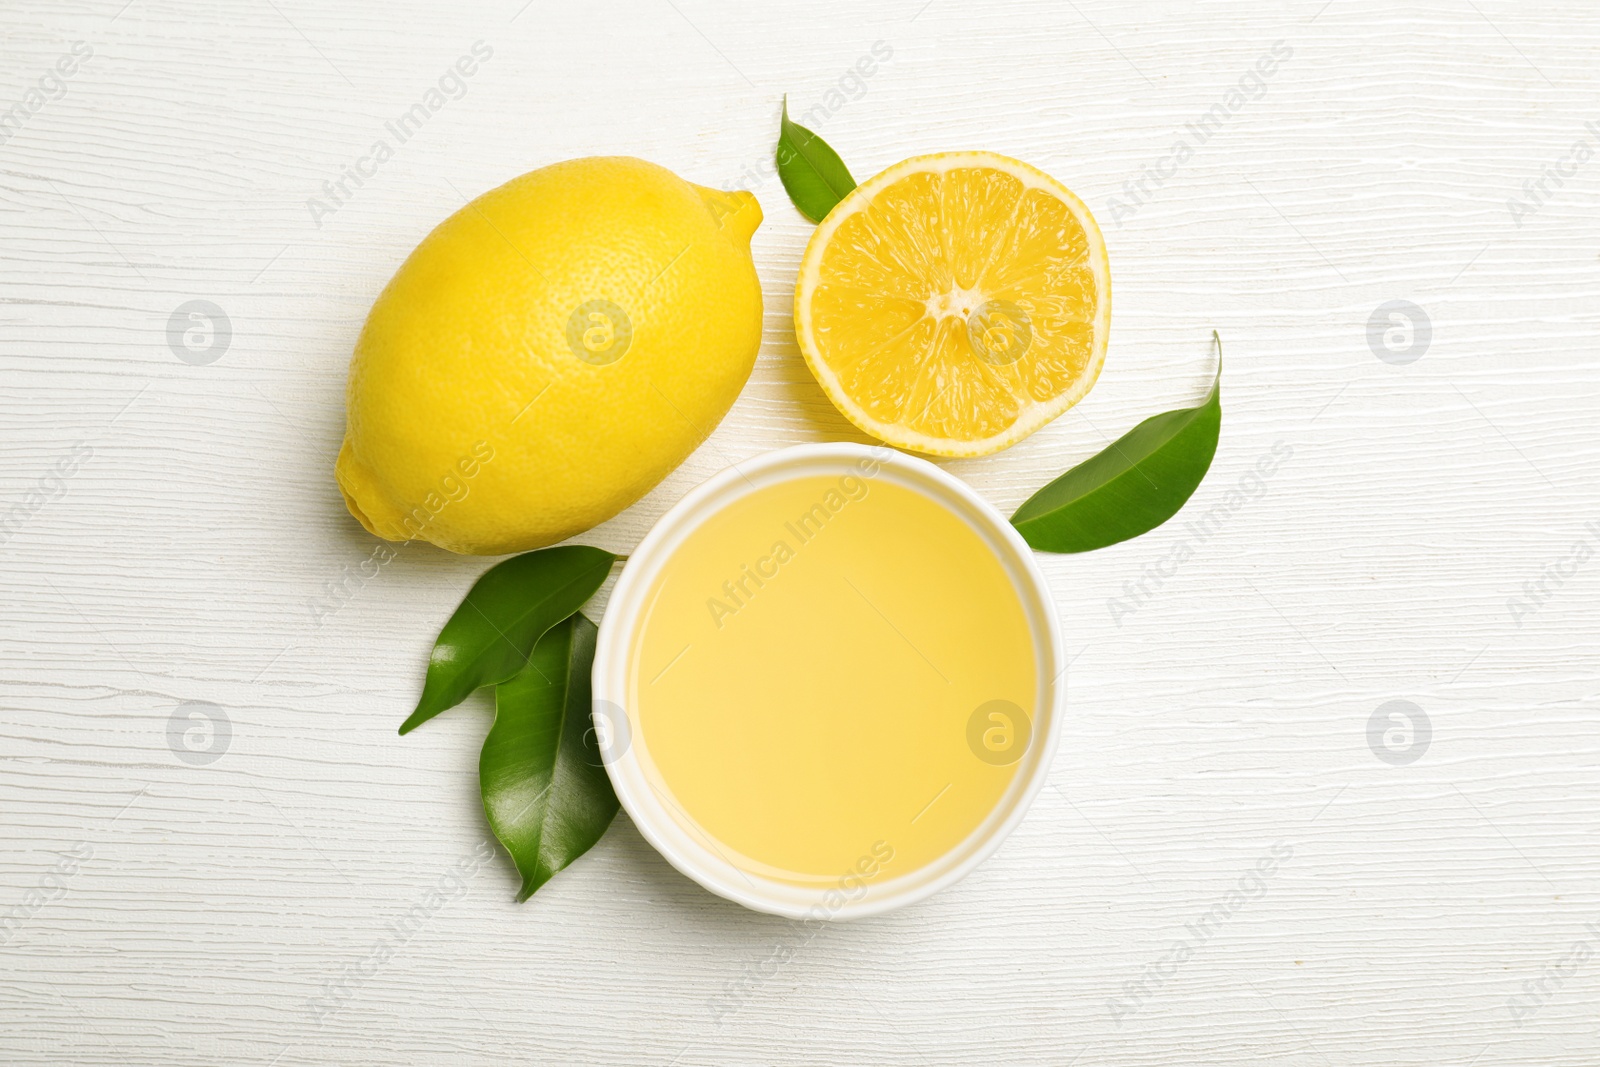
[545, 789]
[489, 637]
[812, 172]
[1135, 485]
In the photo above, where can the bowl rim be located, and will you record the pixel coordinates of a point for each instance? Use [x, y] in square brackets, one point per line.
[703, 863]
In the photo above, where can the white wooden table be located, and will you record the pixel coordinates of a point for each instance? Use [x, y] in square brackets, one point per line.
[299, 885]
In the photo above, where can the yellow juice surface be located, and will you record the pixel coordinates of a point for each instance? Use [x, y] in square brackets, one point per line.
[833, 675]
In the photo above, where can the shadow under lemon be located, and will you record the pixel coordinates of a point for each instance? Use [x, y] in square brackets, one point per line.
[799, 391]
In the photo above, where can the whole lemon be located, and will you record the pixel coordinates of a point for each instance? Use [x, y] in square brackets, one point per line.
[547, 354]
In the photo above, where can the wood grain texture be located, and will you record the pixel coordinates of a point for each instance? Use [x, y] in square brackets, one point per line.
[200, 913]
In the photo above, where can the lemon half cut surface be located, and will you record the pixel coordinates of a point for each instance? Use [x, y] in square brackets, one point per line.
[955, 303]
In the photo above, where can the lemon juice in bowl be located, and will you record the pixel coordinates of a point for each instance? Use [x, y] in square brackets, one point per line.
[830, 679]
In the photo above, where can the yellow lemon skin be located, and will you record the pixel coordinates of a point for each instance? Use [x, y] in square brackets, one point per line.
[548, 354]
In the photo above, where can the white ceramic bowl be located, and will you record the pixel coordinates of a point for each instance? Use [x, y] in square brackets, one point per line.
[622, 743]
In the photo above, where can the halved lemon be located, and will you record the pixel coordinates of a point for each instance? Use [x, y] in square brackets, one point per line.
[955, 303]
